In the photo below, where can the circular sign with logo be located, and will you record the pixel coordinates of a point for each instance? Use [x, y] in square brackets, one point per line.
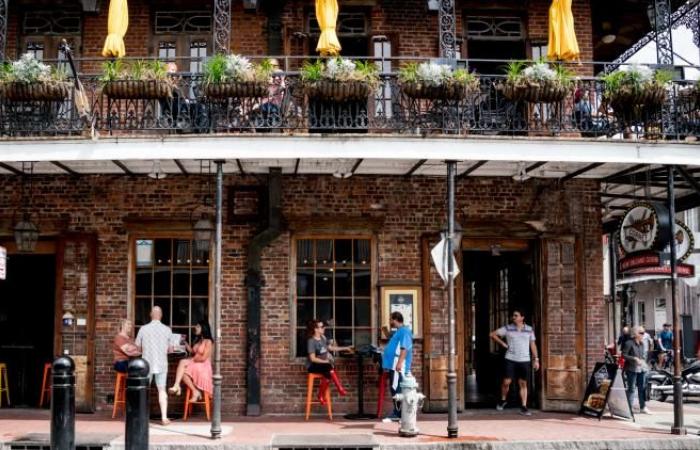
[685, 242]
[645, 226]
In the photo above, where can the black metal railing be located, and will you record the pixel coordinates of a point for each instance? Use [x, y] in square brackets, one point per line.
[285, 107]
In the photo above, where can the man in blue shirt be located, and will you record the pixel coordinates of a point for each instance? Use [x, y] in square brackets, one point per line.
[397, 356]
[665, 341]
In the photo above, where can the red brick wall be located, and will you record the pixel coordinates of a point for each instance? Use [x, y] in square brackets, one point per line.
[412, 207]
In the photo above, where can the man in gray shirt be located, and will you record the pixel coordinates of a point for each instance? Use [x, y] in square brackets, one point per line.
[520, 347]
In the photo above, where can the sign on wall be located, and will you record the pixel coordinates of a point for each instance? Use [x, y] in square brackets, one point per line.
[3, 263]
[644, 227]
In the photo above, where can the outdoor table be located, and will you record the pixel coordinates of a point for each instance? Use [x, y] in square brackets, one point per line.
[367, 351]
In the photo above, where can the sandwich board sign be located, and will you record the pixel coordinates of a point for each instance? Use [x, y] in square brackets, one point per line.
[3, 263]
[606, 388]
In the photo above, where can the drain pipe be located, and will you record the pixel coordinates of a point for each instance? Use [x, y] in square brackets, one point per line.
[254, 282]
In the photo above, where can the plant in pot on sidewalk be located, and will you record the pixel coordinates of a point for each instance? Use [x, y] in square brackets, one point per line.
[536, 82]
[633, 91]
[234, 76]
[437, 81]
[145, 80]
[28, 79]
[339, 79]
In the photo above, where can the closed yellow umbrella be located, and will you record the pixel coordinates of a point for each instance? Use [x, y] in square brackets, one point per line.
[327, 15]
[117, 24]
[562, 36]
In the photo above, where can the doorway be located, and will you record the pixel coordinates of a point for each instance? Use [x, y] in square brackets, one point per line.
[27, 313]
[495, 282]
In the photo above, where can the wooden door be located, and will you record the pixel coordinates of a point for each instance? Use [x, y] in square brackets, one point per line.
[76, 262]
[562, 344]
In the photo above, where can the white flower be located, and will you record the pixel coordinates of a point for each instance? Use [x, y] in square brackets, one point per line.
[239, 68]
[539, 72]
[29, 70]
[339, 69]
[433, 73]
[644, 73]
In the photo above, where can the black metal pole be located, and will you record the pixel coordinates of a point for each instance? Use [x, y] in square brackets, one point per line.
[452, 425]
[216, 416]
[63, 404]
[678, 427]
[137, 407]
[612, 255]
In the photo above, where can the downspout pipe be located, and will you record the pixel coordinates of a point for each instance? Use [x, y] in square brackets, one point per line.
[254, 283]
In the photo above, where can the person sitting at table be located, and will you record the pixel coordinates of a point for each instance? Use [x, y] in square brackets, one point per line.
[196, 371]
[123, 346]
[320, 360]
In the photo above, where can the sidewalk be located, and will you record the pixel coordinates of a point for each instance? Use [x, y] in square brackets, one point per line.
[483, 429]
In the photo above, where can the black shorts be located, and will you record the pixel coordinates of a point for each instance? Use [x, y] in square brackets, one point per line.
[517, 370]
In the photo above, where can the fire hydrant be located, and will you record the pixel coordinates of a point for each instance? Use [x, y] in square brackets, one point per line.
[411, 401]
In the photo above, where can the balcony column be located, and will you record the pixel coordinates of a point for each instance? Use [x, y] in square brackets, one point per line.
[662, 27]
[222, 26]
[447, 23]
[3, 27]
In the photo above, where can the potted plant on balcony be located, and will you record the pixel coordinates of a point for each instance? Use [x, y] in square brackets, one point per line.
[537, 82]
[633, 90]
[437, 82]
[339, 80]
[28, 79]
[234, 76]
[689, 97]
[145, 80]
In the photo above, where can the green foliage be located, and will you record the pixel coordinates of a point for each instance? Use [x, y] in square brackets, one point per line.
[112, 70]
[312, 71]
[463, 76]
[215, 69]
[138, 70]
[514, 70]
[367, 71]
[409, 73]
[663, 76]
[635, 79]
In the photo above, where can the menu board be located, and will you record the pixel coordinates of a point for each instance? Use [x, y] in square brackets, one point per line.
[606, 388]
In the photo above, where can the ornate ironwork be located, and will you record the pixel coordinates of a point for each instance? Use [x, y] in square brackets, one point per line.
[284, 107]
[3, 27]
[174, 22]
[348, 24]
[495, 28]
[447, 22]
[690, 19]
[662, 27]
[222, 26]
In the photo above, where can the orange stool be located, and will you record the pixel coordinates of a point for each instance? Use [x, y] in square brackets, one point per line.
[311, 377]
[4, 384]
[206, 401]
[45, 385]
[119, 393]
[382, 389]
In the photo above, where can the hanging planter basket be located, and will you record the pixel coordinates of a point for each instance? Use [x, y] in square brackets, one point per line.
[27, 92]
[338, 91]
[548, 91]
[629, 101]
[242, 89]
[452, 91]
[138, 89]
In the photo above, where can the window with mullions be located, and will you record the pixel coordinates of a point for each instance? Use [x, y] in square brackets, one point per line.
[334, 284]
[172, 274]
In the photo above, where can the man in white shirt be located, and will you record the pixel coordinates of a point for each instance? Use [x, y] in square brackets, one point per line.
[154, 341]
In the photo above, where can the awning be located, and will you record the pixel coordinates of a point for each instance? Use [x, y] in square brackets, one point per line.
[562, 36]
[117, 24]
[327, 15]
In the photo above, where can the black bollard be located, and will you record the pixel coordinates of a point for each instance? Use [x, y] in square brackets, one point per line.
[63, 404]
[137, 384]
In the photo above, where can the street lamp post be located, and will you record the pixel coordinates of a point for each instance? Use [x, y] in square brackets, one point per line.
[452, 426]
[216, 416]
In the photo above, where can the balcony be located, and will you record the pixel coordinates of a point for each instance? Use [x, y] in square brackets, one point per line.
[390, 110]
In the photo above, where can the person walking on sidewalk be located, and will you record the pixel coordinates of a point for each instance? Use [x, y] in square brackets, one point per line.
[154, 341]
[397, 358]
[636, 368]
[520, 347]
[320, 360]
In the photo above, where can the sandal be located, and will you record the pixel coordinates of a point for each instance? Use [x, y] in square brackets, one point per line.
[175, 390]
[196, 395]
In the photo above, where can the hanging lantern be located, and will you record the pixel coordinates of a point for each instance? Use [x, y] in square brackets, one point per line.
[26, 234]
[203, 230]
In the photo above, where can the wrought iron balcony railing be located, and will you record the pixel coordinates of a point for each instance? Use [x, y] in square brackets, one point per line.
[285, 108]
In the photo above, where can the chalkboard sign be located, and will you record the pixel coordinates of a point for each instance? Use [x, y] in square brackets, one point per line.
[606, 388]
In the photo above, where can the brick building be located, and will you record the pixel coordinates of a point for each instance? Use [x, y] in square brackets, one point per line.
[358, 212]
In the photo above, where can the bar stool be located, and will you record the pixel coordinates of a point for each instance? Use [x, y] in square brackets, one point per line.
[45, 385]
[119, 393]
[382, 389]
[4, 384]
[310, 378]
[205, 400]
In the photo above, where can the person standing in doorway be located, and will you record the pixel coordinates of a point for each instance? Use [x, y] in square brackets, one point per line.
[636, 368]
[520, 347]
[154, 341]
[396, 359]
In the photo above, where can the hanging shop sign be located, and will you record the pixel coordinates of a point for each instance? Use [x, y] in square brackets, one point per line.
[644, 243]
[3, 263]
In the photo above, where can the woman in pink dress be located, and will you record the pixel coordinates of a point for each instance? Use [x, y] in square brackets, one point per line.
[196, 371]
